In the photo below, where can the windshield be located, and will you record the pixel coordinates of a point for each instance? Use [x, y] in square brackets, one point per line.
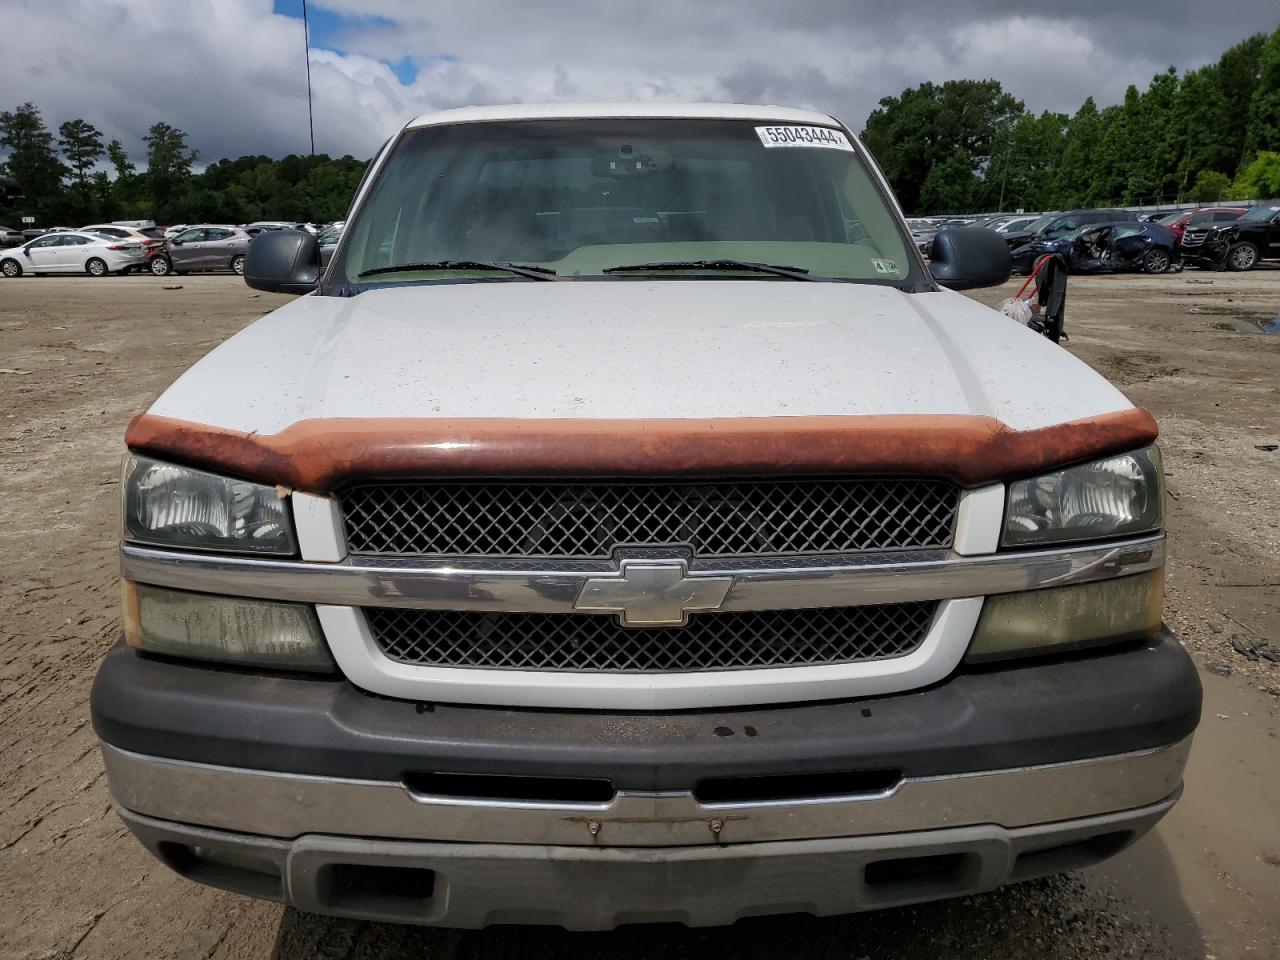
[1037, 225]
[583, 197]
[1263, 211]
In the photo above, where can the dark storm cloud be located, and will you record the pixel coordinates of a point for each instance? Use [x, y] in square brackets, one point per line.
[230, 72]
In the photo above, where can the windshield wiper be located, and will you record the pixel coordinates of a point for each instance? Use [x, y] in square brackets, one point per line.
[794, 273]
[533, 273]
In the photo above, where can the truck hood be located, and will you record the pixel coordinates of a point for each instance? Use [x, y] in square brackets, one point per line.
[635, 349]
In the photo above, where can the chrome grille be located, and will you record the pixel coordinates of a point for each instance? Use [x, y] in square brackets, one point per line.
[1194, 238]
[711, 641]
[583, 520]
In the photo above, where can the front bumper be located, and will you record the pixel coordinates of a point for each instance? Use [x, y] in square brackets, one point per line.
[1211, 251]
[307, 790]
[473, 885]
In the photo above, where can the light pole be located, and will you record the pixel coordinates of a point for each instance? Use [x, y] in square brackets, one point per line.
[306, 40]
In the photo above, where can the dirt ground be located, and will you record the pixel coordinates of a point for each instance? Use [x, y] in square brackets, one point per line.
[81, 356]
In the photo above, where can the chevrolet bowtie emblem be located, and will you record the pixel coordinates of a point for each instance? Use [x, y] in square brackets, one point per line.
[650, 593]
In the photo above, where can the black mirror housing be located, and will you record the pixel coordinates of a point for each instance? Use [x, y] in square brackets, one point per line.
[964, 258]
[283, 261]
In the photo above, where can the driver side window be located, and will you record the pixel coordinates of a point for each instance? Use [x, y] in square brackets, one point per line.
[189, 236]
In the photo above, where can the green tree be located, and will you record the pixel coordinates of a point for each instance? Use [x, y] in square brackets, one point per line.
[81, 145]
[1237, 77]
[953, 125]
[1260, 180]
[1072, 177]
[1210, 187]
[32, 162]
[1198, 136]
[1152, 155]
[168, 168]
[122, 194]
[950, 186]
[1024, 159]
[120, 162]
[1264, 105]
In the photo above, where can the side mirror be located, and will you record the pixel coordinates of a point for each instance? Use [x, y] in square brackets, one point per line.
[967, 257]
[283, 261]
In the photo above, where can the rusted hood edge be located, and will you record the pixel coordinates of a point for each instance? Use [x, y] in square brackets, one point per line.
[319, 456]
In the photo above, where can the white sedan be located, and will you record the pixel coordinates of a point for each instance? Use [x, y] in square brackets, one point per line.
[74, 252]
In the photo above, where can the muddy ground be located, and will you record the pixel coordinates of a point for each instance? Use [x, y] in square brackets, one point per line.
[80, 356]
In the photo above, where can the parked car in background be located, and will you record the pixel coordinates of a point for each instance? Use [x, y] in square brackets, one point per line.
[267, 226]
[923, 230]
[1128, 245]
[1056, 225]
[1011, 224]
[72, 252]
[1179, 220]
[329, 242]
[146, 236]
[10, 237]
[1239, 244]
[201, 248]
[989, 220]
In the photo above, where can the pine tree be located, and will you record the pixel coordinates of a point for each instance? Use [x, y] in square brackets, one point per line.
[168, 167]
[81, 144]
[32, 161]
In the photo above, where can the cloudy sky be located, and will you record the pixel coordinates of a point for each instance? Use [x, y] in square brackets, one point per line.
[231, 72]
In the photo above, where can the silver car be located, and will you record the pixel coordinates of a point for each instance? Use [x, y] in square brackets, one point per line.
[328, 241]
[207, 246]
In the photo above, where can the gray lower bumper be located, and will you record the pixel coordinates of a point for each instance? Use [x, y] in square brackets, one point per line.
[597, 888]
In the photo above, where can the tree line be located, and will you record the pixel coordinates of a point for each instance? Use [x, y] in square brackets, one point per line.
[1205, 135]
[60, 182]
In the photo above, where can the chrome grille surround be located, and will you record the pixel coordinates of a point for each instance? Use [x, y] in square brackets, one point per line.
[589, 519]
[712, 641]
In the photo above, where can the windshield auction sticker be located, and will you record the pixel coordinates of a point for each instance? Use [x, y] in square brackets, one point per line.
[791, 136]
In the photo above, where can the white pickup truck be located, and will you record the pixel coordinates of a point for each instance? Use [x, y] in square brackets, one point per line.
[629, 526]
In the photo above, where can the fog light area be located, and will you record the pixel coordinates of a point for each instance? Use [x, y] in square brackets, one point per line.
[1066, 618]
[260, 633]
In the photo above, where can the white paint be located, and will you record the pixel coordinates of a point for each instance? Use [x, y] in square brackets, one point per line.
[318, 524]
[590, 111]
[634, 349]
[979, 521]
[360, 660]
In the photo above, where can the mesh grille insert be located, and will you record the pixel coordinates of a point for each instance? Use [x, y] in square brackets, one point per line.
[712, 641]
[587, 520]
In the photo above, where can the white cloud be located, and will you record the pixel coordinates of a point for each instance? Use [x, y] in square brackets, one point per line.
[230, 72]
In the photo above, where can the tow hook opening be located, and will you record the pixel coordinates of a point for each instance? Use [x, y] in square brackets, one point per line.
[483, 786]
[372, 889]
[804, 786]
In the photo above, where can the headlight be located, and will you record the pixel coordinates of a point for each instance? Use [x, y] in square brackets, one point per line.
[1107, 498]
[259, 633]
[173, 506]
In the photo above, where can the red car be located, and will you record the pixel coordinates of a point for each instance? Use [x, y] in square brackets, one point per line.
[1179, 219]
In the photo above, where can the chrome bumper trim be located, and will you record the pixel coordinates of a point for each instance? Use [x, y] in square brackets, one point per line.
[289, 805]
[555, 587]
